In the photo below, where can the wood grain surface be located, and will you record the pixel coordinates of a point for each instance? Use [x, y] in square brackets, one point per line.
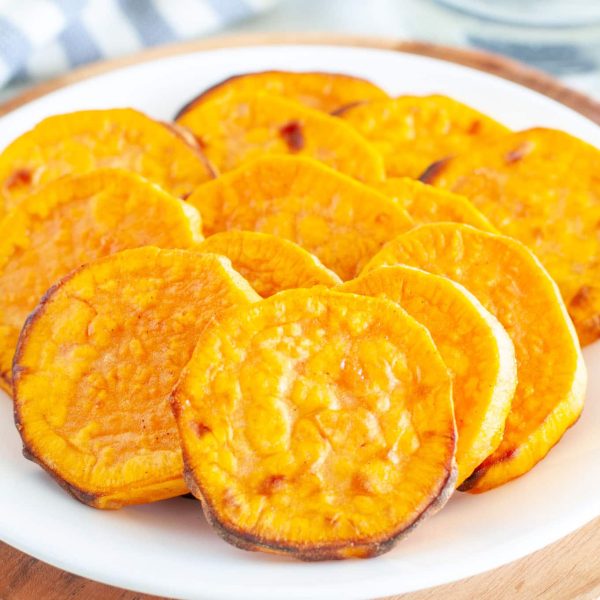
[566, 570]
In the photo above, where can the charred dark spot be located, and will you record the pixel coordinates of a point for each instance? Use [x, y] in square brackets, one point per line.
[433, 170]
[293, 136]
[18, 178]
[518, 153]
[482, 469]
[581, 298]
[475, 127]
[271, 484]
[200, 429]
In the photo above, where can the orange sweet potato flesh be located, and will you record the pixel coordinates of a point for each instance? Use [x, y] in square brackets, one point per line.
[70, 222]
[337, 219]
[316, 424]
[321, 91]
[269, 263]
[472, 343]
[427, 204]
[541, 186]
[511, 283]
[411, 132]
[80, 142]
[244, 126]
[96, 362]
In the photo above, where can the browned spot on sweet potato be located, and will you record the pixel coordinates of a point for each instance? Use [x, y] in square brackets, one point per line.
[518, 153]
[475, 127]
[200, 428]
[293, 136]
[19, 177]
[432, 170]
[271, 484]
[581, 297]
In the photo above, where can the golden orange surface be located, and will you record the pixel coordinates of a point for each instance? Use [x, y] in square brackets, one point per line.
[428, 204]
[96, 362]
[542, 187]
[339, 220]
[511, 283]
[321, 91]
[472, 343]
[269, 263]
[73, 221]
[412, 132]
[244, 126]
[317, 423]
[83, 141]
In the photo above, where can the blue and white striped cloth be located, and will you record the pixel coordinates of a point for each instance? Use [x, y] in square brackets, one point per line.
[43, 38]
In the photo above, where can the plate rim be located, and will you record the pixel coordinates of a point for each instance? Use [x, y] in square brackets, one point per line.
[488, 62]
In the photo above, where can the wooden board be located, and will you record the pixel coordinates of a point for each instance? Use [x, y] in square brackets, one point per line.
[566, 570]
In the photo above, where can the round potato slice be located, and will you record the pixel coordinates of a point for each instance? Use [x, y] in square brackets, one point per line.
[411, 132]
[473, 344]
[82, 141]
[96, 362]
[317, 424]
[541, 186]
[510, 282]
[321, 91]
[334, 217]
[427, 204]
[72, 221]
[269, 263]
[242, 127]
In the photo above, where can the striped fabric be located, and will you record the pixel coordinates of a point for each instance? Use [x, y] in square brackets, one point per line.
[43, 38]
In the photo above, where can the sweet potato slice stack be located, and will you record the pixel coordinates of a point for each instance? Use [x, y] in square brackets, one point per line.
[321, 91]
[473, 344]
[83, 141]
[96, 362]
[269, 263]
[245, 126]
[427, 204]
[73, 221]
[411, 132]
[541, 187]
[317, 424]
[337, 219]
[511, 283]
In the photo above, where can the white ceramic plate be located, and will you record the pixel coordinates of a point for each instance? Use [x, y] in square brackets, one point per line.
[167, 548]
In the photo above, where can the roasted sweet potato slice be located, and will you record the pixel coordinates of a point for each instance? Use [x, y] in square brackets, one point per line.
[269, 263]
[542, 187]
[510, 282]
[72, 221]
[321, 91]
[80, 142]
[317, 424]
[339, 220]
[427, 204]
[95, 364]
[242, 127]
[473, 344]
[411, 132]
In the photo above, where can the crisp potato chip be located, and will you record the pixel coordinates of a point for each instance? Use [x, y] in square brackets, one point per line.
[337, 219]
[75, 220]
[317, 424]
[80, 142]
[510, 282]
[411, 132]
[96, 362]
[542, 187]
[269, 263]
[242, 127]
[427, 204]
[473, 344]
[321, 91]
